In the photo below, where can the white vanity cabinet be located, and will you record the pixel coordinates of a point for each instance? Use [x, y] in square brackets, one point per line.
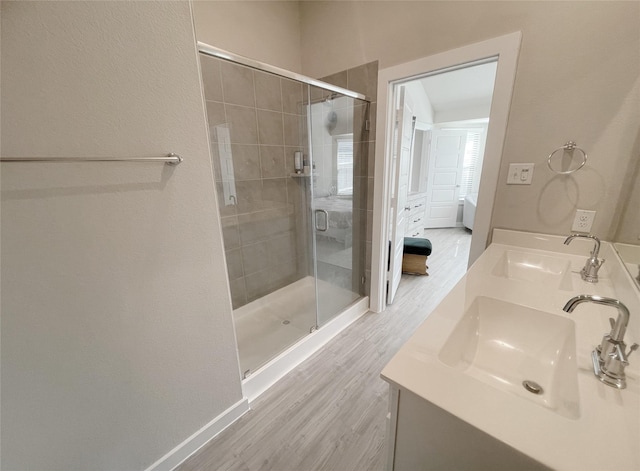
[417, 197]
[416, 202]
[461, 395]
[426, 437]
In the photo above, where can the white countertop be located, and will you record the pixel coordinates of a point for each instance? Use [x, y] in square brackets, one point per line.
[606, 433]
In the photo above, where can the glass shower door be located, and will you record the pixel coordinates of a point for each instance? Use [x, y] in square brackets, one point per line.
[257, 124]
[338, 204]
[294, 239]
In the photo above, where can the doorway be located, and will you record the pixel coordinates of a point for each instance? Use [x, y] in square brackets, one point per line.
[452, 111]
[504, 50]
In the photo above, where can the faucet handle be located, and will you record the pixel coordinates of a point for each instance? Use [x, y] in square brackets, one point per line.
[612, 322]
[619, 354]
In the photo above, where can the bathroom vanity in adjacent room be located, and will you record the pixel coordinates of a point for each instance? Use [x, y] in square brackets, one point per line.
[500, 377]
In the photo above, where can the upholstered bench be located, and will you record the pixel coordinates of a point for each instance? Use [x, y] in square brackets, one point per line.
[414, 257]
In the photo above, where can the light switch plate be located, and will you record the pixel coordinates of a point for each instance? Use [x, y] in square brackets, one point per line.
[520, 174]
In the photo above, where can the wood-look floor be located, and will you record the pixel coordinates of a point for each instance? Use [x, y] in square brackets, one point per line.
[329, 413]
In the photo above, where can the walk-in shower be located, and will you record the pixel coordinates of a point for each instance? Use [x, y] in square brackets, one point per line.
[294, 235]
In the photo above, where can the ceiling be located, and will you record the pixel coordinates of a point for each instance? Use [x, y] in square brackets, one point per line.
[469, 86]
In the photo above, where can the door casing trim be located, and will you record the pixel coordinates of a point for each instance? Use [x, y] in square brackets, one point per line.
[506, 49]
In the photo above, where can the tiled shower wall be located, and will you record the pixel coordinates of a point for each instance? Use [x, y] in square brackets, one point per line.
[363, 79]
[264, 211]
[266, 246]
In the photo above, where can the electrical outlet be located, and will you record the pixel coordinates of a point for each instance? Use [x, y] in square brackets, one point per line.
[583, 221]
[520, 174]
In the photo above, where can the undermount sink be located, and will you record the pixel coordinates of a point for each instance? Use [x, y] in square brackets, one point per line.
[517, 349]
[535, 268]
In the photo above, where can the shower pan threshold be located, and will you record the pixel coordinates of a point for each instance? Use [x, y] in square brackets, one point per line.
[268, 374]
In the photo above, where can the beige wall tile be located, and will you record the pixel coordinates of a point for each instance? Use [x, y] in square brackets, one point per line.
[249, 194]
[270, 127]
[360, 158]
[234, 263]
[318, 93]
[215, 117]
[238, 292]
[211, 78]
[286, 273]
[370, 193]
[264, 224]
[369, 231]
[298, 194]
[360, 116]
[292, 96]
[246, 161]
[282, 249]
[268, 92]
[272, 161]
[243, 124]
[225, 210]
[367, 279]
[253, 227]
[371, 159]
[230, 232]
[339, 79]
[360, 186]
[255, 257]
[373, 110]
[237, 84]
[274, 192]
[364, 79]
[292, 130]
[271, 279]
[215, 160]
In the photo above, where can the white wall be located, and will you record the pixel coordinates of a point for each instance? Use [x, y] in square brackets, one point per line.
[422, 108]
[465, 113]
[263, 30]
[117, 336]
[578, 78]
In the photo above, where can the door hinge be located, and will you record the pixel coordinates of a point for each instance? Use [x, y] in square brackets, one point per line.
[367, 125]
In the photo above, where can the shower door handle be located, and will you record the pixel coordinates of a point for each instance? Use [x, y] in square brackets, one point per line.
[326, 220]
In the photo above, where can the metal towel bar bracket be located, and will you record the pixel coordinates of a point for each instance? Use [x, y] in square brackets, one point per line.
[570, 146]
[170, 159]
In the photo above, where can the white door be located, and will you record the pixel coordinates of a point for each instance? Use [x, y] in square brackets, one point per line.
[444, 176]
[400, 188]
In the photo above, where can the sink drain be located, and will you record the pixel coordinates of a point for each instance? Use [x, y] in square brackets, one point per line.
[286, 322]
[532, 386]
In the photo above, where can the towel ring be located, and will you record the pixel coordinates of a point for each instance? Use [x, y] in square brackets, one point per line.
[569, 146]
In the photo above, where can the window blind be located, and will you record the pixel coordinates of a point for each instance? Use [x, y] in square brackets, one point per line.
[471, 161]
[345, 166]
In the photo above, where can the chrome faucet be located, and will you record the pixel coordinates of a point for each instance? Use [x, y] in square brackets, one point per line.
[590, 270]
[609, 358]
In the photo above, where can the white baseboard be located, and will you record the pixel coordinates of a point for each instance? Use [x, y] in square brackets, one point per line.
[270, 373]
[199, 439]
